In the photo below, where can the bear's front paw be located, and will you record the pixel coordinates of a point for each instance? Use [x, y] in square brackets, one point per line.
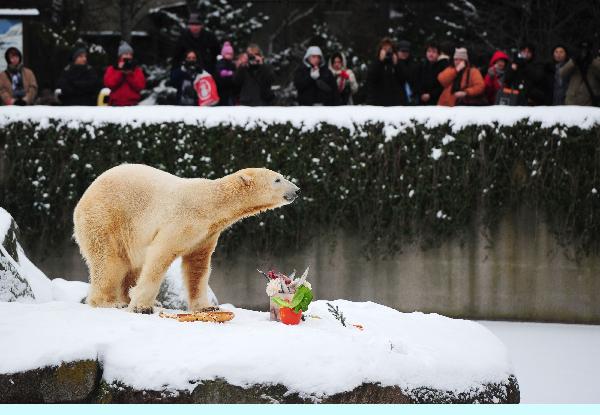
[200, 306]
[141, 309]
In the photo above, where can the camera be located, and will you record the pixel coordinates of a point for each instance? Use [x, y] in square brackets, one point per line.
[128, 64]
[252, 59]
[389, 55]
[191, 66]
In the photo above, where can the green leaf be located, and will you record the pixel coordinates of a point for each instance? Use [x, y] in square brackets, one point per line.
[281, 302]
[306, 299]
[302, 298]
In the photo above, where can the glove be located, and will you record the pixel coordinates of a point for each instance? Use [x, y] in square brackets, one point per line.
[224, 73]
[314, 73]
[344, 75]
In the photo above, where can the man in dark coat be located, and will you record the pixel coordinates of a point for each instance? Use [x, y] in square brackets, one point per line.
[314, 81]
[409, 70]
[254, 78]
[527, 76]
[385, 79]
[201, 41]
[427, 86]
[79, 84]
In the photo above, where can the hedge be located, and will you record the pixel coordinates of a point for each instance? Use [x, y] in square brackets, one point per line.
[420, 184]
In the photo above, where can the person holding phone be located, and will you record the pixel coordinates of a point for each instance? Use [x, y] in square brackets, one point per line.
[254, 77]
[125, 79]
[385, 78]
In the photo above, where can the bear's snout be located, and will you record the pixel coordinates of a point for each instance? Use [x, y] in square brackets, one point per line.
[292, 194]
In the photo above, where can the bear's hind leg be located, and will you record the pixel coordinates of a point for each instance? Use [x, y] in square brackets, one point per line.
[106, 279]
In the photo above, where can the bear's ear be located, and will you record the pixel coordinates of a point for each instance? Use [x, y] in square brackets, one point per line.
[246, 179]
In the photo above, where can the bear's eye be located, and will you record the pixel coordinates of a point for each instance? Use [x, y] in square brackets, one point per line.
[277, 180]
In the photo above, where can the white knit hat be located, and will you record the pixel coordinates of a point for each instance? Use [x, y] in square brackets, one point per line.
[461, 53]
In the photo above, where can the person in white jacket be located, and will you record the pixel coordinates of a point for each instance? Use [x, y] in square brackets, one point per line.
[344, 78]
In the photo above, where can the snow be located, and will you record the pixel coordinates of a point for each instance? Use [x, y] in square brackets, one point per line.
[554, 363]
[318, 357]
[309, 117]
[19, 12]
[39, 283]
[5, 221]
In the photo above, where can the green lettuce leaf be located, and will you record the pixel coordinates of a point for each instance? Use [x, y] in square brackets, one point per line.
[302, 298]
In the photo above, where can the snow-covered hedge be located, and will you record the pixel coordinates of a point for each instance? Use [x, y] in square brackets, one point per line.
[394, 175]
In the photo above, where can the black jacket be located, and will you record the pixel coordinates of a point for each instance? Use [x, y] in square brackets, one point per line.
[228, 90]
[255, 83]
[427, 82]
[385, 84]
[529, 78]
[79, 85]
[205, 45]
[409, 70]
[320, 91]
[182, 79]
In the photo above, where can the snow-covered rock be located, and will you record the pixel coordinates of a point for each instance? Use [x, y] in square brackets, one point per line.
[398, 357]
[20, 279]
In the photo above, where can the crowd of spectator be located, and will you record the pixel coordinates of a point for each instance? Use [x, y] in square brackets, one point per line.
[204, 72]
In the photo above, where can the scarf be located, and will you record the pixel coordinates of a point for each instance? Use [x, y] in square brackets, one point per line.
[16, 77]
[340, 80]
[456, 85]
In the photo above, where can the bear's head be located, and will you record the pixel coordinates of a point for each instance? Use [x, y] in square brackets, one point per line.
[267, 189]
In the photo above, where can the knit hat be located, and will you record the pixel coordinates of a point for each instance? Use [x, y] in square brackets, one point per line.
[78, 51]
[227, 48]
[403, 46]
[461, 53]
[124, 48]
[194, 19]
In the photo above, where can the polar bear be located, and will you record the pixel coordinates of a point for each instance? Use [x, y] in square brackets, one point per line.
[134, 220]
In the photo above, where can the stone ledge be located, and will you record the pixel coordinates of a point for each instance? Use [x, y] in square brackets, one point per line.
[80, 381]
[71, 382]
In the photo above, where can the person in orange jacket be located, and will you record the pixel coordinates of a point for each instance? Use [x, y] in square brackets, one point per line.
[125, 79]
[463, 84]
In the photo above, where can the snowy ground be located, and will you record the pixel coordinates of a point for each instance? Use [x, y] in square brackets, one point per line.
[554, 363]
[318, 357]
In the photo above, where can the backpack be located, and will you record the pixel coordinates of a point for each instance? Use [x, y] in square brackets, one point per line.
[507, 96]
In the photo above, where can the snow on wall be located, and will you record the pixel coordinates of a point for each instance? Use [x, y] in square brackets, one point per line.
[306, 117]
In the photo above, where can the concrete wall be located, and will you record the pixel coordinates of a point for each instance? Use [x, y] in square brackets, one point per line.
[520, 274]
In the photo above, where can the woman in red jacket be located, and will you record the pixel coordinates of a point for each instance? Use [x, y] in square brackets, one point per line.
[125, 79]
[494, 79]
